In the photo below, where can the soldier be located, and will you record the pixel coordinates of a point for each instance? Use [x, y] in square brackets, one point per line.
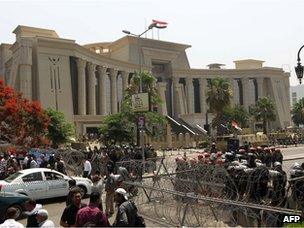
[213, 148]
[259, 179]
[277, 156]
[258, 152]
[267, 157]
[279, 185]
[251, 160]
[297, 186]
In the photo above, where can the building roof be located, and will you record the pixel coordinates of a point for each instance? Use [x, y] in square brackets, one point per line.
[27, 31]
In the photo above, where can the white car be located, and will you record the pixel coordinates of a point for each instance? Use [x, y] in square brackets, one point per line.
[42, 183]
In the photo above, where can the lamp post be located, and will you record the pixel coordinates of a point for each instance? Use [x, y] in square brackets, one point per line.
[299, 67]
[141, 131]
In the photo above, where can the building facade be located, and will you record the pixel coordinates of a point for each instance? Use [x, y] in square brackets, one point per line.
[86, 82]
[296, 93]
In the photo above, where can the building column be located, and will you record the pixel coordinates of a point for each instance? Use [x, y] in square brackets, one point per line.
[260, 84]
[231, 82]
[203, 95]
[102, 74]
[25, 69]
[245, 85]
[176, 108]
[81, 87]
[113, 77]
[125, 83]
[162, 107]
[190, 95]
[91, 88]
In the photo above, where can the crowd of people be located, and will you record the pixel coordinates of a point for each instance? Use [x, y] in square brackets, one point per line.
[99, 165]
[255, 175]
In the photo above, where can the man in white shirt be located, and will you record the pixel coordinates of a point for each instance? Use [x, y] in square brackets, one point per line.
[11, 222]
[42, 219]
[87, 168]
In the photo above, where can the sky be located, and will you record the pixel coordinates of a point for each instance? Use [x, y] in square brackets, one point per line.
[219, 31]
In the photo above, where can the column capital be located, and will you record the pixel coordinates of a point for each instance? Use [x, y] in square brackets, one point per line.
[175, 80]
[259, 80]
[81, 63]
[189, 79]
[202, 81]
[102, 70]
[91, 67]
[124, 73]
[245, 80]
[113, 72]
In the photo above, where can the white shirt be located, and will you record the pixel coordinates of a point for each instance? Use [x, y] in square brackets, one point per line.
[34, 164]
[48, 224]
[87, 166]
[25, 160]
[11, 223]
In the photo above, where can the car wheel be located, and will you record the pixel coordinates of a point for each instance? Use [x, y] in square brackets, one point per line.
[18, 209]
[84, 190]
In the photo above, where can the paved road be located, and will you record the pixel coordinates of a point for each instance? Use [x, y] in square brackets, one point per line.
[56, 207]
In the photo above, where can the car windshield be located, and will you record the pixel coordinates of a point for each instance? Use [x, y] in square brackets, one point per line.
[12, 177]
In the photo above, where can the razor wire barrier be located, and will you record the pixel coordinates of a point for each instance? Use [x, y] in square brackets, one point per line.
[189, 209]
[72, 160]
[199, 194]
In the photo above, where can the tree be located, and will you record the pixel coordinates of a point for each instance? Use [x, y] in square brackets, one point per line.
[298, 112]
[59, 130]
[122, 127]
[116, 128]
[264, 111]
[22, 122]
[238, 114]
[218, 98]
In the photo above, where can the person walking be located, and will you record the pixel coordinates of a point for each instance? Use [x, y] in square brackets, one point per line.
[72, 188]
[31, 211]
[42, 219]
[11, 215]
[91, 215]
[126, 211]
[34, 163]
[110, 187]
[43, 163]
[87, 168]
[60, 166]
[68, 217]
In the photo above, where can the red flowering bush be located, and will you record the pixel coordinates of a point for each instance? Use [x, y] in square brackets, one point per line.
[22, 122]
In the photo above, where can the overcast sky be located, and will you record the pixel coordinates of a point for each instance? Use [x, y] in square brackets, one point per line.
[218, 30]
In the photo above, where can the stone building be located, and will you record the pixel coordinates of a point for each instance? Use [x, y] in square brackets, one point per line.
[86, 82]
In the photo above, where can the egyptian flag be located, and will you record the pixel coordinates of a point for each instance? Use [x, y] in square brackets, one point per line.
[160, 24]
[235, 125]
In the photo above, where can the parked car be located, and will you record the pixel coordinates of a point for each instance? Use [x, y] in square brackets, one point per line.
[42, 183]
[11, 199]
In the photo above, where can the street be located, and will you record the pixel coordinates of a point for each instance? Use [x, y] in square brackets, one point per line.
[55, 207]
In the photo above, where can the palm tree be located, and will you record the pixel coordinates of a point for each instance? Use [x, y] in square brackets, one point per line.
[218, 98]
[264, 111]
[298, 112]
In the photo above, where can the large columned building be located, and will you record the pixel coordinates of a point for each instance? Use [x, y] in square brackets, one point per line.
[86, 82]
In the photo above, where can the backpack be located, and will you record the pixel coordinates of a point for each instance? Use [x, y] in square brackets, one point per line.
[138, 220]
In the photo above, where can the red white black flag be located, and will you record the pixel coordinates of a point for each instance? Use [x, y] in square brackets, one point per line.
[160, 24]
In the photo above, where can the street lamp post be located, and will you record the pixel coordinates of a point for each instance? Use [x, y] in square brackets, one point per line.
[141, 131]
[299, 67]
